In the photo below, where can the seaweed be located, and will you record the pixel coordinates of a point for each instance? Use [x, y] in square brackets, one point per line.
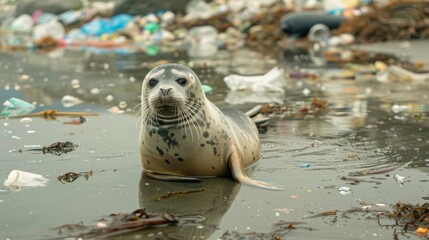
[57, 148]
[123, 223]
[72, 176]
[408, 217]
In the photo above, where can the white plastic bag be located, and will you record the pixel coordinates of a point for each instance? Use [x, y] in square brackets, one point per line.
[272, 81]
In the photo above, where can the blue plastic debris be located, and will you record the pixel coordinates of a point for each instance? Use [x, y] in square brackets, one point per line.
[207, 88]
[16, 106]
[304, 165]
[101, 26]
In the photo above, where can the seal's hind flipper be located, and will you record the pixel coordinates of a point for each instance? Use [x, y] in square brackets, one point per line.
[237, 172]
[259, 120]
[254, 111]
[255, 116]
[170, 178]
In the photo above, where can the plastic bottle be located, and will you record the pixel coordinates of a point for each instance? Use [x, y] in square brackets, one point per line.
[19, 178]
[202, 41]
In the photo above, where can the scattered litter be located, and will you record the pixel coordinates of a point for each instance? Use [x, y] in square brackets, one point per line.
[94, 91]
[72, 176]
[76, 121]
[115, 110]
[303, 75]
[272, 81]
[16, 106]
[207, 88]
[75, 83]
[57, 148]
[70, 101]
[399, 179]
[202, 41]
[53, 114]
[344, 190]
[304, 165]
[422, 231]
[18, 179]
[122, 223]
[318, 33]
[52, 29]
[26, 120]
[122, 104]
[306, 91]
[109, 98]
[101, 26]
[33, 146]
[319, 104]
[395, 73]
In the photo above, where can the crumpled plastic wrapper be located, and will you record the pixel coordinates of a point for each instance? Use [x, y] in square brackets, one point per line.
[272, 81]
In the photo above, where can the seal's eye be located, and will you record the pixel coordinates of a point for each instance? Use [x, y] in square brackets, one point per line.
[182, 82]
[153, 82]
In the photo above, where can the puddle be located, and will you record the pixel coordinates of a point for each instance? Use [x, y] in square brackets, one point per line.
[367, 125]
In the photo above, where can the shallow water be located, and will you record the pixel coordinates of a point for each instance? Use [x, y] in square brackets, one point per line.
[368, 125]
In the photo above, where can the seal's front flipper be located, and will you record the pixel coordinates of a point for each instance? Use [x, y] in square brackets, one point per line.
[237, 172]
[170, 178]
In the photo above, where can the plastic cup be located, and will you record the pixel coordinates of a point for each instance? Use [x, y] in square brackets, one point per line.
[318, 33]
[19, 178]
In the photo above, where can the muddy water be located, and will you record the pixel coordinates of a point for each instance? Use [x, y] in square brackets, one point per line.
[367, 126]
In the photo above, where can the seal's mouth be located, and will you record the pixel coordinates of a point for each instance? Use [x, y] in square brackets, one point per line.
[165, 110]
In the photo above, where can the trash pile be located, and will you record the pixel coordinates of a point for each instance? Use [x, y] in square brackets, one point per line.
[213, 25]
[400, 20]
[219, 24]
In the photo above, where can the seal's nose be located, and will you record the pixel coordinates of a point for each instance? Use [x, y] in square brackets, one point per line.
[165, 91]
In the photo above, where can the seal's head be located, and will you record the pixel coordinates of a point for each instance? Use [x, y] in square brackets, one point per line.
[169, 91]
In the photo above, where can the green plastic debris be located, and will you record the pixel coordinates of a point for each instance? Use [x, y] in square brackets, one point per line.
[16, 106]
[152, 50]
[207, 88]
[151, 27]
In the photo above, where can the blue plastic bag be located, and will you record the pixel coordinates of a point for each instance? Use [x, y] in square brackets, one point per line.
[16, 106]
[101, 26]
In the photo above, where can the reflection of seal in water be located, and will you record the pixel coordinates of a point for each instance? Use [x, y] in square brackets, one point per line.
[212, 204]
[184, 134]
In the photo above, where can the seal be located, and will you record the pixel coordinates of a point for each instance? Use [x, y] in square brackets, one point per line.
[184, 136]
